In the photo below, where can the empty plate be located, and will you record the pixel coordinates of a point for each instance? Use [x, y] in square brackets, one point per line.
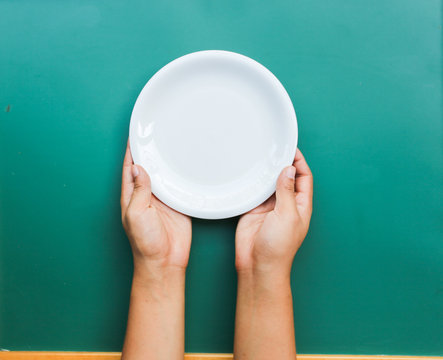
[213, 129]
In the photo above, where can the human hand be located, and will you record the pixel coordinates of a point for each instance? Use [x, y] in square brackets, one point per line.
[268, 236]
[160, 237]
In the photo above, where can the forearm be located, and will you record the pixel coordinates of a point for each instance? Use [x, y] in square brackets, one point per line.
[155, 327]
[264, 325]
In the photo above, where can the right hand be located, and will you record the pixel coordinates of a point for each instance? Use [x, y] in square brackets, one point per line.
[268, 236]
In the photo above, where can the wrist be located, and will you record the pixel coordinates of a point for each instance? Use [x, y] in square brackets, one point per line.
[264, 269]
[262, 265]
[264, 280]
[147, 267]
[166, 286]
[148, 274]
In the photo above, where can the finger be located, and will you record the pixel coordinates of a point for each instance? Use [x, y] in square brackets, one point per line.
[304, 179]
[303, 182]
[285, 194]
[163, 208]
[141, 196]
[265, 207]
[127, 180]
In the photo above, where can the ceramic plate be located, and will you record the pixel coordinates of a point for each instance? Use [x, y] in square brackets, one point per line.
[213, 129]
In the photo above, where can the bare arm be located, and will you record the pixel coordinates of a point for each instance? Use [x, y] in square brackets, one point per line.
[156, 318]
[264, 326]
[160, 239]
[267, 239]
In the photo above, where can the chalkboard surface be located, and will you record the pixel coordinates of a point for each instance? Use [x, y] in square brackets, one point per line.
[365, 78]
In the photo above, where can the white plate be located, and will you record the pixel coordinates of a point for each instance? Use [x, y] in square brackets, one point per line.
[213, 129]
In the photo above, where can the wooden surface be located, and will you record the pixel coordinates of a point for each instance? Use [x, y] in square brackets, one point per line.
[42, 355]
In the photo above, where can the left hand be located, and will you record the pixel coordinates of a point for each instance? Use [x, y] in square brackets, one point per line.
[160, 237]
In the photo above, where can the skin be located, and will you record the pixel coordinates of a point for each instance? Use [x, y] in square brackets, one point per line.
[267, 239]
[160, 240]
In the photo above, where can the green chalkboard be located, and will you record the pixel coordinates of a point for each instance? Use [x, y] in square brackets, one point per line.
[366, 81]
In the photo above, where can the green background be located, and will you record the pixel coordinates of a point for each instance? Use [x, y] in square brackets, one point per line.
[366, 81]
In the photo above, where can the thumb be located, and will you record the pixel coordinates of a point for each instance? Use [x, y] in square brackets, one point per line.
[141, 196]
[285, 192]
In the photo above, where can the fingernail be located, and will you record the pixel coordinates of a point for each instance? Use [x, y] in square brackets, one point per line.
[134, 171]
[290, 172]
